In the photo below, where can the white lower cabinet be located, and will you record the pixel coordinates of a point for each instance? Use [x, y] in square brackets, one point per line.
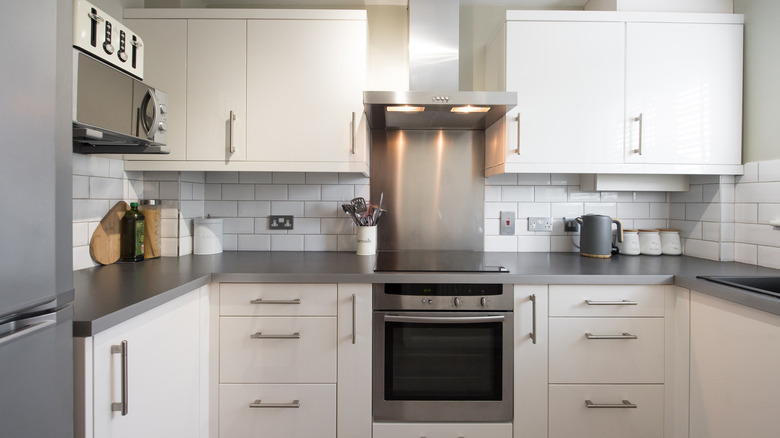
[162, 381]
[442, 430]
[531, 361]
[609, 414]
[302, 368]
[735, 354]
[277, 411]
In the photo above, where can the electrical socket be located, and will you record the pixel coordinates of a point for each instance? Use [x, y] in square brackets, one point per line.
[280, 222]
[540, 224]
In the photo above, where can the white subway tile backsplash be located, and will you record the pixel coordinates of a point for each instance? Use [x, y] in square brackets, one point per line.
[238, 192]
[238, 225]
[746, 213]
[492, 193]
[550, 194]
[517, 194]
[106, 188]
[198, 191]
[255, 178]
[305, 225]
[605, 208]
[336, 226]
[750, 173]
[151, 189]
[212, 192]
[704, 179]
[353, 178]
[534, 209]
[169, 228]
[347, 243]
[81, 234]
[90, 209]
[493, 227]
[193, 177]
[727, 251]
[533, 179]
[322, 209]
[710, 192]
[768, 212]
[339, 193]
[364, 191]
[494, 209]
[185, 191]
[269, 192]
[617, 197]
[320, 243]
[702, 249]
[502, 179]
[222, 177]
[304, 192]
[649, 224]
[162, 176]
[758, 192]
[81, 258]
[693, 195]
[561, 210]
[703, 212]
[575, 195]
[253, 208]
[80, 187]
[91, 165]
[289, 178]
[727, 232]
[636, 210]
[294, 208]
[769, 171]
[254, 242]
[322, 178]
[565, 179]
[659, 210]
[169, 190]
[286, 243]
[134, 189]
[501, 243]
[710, 231]
[746, 253]
[230, 242]
[193, 209]
[221, 208]
[562, 244]
[769, 256]
[533, 243]
[757, 234]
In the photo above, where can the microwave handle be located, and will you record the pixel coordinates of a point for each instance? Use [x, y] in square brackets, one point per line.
[444, 319]
[149, 130]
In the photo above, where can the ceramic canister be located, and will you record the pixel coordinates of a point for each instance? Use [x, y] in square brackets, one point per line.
[630, 244]
[650, 242]
[670, 241]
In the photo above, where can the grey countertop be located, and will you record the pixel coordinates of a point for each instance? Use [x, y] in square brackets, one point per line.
[108, 295]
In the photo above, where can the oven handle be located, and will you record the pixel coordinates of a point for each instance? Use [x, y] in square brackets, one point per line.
[444, 319]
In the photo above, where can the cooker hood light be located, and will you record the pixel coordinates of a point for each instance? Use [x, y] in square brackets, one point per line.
[470, 109]
[406, 109]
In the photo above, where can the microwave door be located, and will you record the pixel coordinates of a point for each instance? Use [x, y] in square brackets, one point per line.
[146, 112]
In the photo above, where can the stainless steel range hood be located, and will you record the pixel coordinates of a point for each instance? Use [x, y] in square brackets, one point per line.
[434, 101]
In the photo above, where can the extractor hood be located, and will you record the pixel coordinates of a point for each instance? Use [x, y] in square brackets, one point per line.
[434, 101]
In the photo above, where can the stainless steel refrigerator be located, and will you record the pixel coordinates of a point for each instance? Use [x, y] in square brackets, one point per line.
[36, 273]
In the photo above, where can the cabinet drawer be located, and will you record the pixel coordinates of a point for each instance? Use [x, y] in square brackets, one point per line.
[274, 415]
[576, 359]
[275, 354]
[277, 299]
[613, 300]
[570, 417]
[451, 430]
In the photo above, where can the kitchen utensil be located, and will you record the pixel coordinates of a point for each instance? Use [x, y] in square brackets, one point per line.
[105, 243]
[359, 204]
[596, 235]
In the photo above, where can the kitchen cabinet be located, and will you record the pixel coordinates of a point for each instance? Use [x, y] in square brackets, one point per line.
[270, 90]
[593, 85]
[165, 61]
[294, 360]
[734, 380]
[155, 363]
[216, 90]
[617, 361]
[531, 361]
[354, 360]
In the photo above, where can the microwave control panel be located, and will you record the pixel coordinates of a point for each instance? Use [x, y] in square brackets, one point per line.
[107, 39]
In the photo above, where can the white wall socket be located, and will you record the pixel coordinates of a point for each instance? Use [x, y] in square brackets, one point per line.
[540, 224]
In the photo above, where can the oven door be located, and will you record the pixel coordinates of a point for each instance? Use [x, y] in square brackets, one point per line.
[443, 366]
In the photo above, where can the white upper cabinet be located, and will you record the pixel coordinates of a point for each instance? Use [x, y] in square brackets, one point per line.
[266, 90]
[305, 90]
[216, 89]
[592, 85]
[685, 81]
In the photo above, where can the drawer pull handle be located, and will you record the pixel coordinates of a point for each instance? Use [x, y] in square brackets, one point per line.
[262, 301]
[260, 335]
[121, 406]
[623, 336]
[533, 318]
[259, 404]
[625, 405]
[611, 303]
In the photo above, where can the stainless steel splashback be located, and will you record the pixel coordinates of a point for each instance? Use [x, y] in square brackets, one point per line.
[433, 187]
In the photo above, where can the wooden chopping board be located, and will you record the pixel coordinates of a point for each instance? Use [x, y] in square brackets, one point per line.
[105, 242]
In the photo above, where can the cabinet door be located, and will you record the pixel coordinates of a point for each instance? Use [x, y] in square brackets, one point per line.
[165, 67]
[305, 90]
[163, 373]
[569, 79]
[685, 80]
[530, 378]
[354, 368]
[216, 86]
[734, 379]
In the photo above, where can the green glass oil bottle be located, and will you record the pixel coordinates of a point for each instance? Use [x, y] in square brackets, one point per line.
[132, 226]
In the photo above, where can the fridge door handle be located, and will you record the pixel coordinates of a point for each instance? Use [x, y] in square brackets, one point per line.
[25, 327]
[122, 405]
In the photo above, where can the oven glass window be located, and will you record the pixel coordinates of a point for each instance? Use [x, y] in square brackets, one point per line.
[443, 361]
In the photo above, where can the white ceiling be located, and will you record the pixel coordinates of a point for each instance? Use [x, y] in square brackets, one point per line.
[524, 4]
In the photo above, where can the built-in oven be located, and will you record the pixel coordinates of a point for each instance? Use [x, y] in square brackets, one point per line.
[442, 352]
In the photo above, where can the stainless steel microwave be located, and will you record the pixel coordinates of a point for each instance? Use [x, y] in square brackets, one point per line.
[114, 112]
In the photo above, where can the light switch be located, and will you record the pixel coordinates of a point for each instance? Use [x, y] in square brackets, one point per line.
[507, 223]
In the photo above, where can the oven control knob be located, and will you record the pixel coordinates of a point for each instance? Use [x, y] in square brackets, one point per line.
[457, 301]
[483, 301]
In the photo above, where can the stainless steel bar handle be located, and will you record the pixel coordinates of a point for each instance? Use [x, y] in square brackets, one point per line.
[121, 406]
[533, 318]
[518, 134]
[625, 405]
[260, 335]
[444, 319]
[599, 337]
[262, 301]
[352, 137]
[612, 303]
[354, 323]
[232, 119]
[639, 119]
[259, 404]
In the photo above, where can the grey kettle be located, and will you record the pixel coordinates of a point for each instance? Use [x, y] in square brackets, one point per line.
[596, 235]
